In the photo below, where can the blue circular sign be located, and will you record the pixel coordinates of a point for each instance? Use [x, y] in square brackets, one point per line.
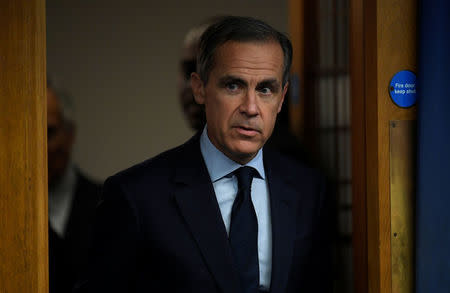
[402, 89]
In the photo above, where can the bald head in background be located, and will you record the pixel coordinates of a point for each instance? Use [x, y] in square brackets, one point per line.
[193, 112]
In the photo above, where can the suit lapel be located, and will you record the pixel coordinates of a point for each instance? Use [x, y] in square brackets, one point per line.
[282, 201]
[197, 202]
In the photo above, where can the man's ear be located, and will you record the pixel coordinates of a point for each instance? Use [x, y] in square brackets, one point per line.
[198, 88]
[282, 96]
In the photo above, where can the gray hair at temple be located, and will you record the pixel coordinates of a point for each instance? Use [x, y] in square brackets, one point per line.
[66, 100]
[239, 29]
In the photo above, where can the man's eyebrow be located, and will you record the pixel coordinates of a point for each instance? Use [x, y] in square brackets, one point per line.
[272, 82]
[232, 79]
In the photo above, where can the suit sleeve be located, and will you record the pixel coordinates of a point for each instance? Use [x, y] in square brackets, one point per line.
[114, 251]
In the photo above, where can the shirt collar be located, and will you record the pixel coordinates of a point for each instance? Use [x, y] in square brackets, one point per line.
[219, 165]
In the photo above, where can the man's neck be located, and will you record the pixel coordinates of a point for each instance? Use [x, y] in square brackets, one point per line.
[218, 164]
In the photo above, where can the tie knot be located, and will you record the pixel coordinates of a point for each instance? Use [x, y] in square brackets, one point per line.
[245, 176]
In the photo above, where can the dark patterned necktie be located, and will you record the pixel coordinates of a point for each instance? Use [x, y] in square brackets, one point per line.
[244, 232]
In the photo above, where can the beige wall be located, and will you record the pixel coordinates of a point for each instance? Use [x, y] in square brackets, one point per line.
[119, 61]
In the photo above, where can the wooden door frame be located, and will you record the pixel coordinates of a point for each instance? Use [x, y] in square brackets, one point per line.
[23, 147]
[359, 195]
[382, 42]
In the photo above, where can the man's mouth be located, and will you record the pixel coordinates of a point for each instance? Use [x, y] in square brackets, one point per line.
[246, 131]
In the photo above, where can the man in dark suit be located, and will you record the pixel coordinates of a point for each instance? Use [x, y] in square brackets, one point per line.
[72, 198]
[219, 214]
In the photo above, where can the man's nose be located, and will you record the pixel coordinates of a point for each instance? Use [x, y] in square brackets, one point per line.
[249, 105]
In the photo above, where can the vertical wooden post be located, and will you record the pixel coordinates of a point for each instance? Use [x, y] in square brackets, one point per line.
[359, 213]
[23, 148]
[296, 34]
[383, 38]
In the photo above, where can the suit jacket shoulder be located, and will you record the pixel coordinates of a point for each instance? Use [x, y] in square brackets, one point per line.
[161, 167]
[161, 212]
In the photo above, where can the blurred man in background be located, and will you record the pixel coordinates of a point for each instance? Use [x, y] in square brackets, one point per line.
[72, 197]
[193, 112]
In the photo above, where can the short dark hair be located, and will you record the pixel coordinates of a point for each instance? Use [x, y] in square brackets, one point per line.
[239, 29]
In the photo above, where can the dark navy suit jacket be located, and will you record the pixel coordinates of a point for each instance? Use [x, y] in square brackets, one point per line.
[68, 256]
[159, 229]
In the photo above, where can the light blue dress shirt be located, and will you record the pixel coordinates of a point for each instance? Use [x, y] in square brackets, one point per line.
[225, 187]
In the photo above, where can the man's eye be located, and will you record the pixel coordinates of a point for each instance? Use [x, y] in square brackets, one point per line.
[232, 86]
[266, 90]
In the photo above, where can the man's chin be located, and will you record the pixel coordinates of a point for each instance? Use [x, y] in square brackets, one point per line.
[245, 153]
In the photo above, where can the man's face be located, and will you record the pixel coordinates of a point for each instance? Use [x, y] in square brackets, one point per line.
[242, 97]
[192, 111]
[60, 138]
